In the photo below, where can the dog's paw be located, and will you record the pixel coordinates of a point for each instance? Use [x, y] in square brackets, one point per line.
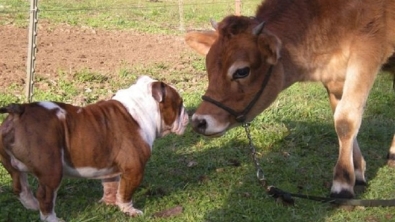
[50, 218]
[134, 212]
[128, 209]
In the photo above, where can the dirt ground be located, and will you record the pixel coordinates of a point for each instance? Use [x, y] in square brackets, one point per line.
[70, 48]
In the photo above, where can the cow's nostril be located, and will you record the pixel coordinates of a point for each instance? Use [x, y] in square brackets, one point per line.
[199, 125]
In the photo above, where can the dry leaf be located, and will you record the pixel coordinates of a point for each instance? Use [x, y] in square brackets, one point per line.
[169, 212]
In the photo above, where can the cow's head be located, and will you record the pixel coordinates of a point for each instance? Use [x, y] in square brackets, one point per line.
[240, 54]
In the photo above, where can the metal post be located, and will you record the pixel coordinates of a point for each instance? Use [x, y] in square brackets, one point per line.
[181, 14]
[237, 7]
[32, 48]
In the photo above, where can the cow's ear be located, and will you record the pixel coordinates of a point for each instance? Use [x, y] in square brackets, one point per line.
[270, 46]
[202, 41]
[158, 91]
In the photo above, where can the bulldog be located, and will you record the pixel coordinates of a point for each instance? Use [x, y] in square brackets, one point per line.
[109, 140]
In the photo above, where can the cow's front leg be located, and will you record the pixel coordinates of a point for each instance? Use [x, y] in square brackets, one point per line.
[350, 166]
[349, 170]
[359, 165]
[127, 186]
[344, 176]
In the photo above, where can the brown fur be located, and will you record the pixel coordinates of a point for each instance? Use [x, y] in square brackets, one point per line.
[70, 135]
[342, 44]
[101, 136]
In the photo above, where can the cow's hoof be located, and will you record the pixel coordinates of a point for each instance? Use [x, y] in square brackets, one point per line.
[360, 186]
[344, 194]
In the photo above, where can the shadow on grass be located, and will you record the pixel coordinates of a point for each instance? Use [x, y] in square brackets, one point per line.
[301, 162]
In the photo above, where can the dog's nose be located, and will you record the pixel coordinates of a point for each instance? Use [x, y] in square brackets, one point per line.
[199, 125]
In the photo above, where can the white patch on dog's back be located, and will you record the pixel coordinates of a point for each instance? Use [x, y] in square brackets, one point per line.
[61, 113]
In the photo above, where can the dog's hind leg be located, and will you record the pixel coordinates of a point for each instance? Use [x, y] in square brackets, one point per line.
[49, 184]
[26, 196]
[20, 185]
[49, 178]
[22, 190]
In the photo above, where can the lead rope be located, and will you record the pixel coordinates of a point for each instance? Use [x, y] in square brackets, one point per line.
[272, 191]
[259, 171]
[286, 197]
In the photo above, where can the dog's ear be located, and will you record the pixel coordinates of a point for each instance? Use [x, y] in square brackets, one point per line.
[158, 91]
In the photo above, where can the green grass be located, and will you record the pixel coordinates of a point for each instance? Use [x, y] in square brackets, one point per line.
[296, 147]
[212, 179]
[141, 15]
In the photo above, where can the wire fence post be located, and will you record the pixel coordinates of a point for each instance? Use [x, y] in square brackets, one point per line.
[31, 53]
[237, 7]
[181, 14]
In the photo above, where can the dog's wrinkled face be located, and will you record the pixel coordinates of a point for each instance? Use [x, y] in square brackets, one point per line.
[173, 115]
[156, 106]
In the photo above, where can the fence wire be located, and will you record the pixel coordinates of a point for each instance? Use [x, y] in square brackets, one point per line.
[145, 16]
[120, 7]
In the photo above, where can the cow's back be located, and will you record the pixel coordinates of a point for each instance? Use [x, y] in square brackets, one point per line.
[329, 31]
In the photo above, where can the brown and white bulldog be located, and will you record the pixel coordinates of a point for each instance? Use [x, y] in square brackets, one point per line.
[109, 140]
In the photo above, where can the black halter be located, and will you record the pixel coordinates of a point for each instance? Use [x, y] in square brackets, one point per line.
[241, 116]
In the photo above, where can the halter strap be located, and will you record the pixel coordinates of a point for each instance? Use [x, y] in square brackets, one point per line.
[242, 116]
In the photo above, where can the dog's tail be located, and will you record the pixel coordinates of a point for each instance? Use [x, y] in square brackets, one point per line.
[12, 109]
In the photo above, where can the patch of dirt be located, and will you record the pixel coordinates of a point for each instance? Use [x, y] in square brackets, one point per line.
[72, 49]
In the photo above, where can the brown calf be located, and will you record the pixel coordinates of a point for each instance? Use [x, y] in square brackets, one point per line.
[342, 44]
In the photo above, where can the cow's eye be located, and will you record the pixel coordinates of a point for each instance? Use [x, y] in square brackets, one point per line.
[241, 73]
